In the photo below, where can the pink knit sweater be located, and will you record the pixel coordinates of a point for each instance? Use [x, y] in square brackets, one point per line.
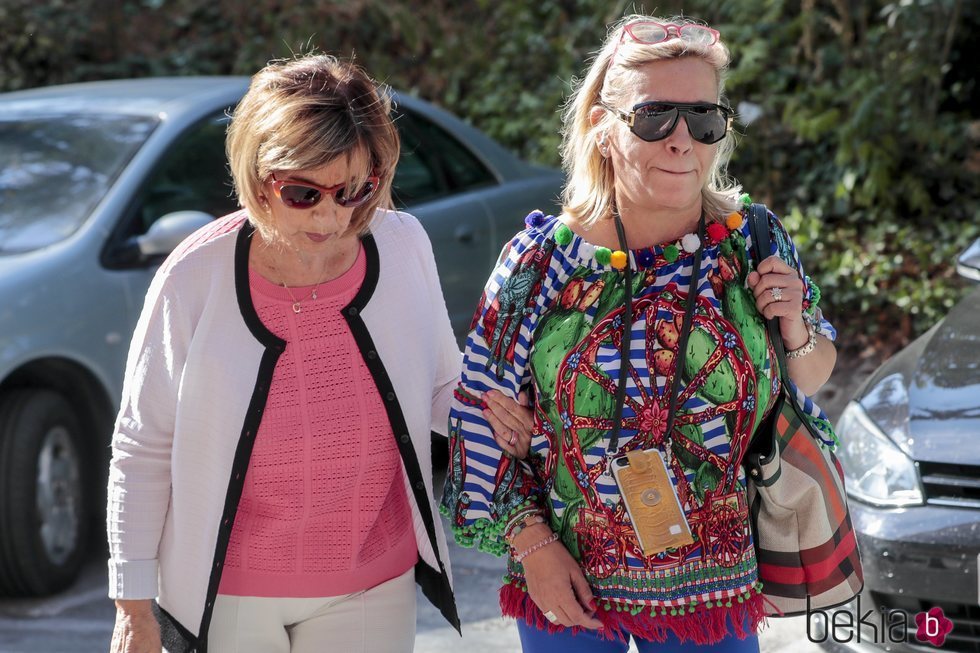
[324, 510]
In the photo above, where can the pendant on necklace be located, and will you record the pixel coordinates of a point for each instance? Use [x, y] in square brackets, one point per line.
[297, 308]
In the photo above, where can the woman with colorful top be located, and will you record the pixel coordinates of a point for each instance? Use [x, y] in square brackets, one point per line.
[636, 322]
[271, 473]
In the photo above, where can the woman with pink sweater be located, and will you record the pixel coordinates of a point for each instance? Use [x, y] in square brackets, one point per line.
[271, 483]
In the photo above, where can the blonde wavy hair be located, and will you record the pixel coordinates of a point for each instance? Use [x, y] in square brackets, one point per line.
[301, 114]
[589, 193]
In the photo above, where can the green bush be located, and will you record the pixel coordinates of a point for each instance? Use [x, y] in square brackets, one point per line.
[865, 148]
[867, 144]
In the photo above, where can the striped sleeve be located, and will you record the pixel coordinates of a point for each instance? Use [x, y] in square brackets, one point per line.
[486, 490]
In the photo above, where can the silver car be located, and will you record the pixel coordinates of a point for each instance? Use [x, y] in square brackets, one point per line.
[98, 183]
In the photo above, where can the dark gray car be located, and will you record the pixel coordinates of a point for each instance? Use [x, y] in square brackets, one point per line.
[98, 183]
[911, 457]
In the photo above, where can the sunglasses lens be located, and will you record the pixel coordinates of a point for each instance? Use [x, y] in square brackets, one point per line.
[707, 124]
[647, 32]
[363, 195]
[299, 197]
[654, 122]
[698, 34]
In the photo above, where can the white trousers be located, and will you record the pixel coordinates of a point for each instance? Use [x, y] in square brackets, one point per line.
[378, 620]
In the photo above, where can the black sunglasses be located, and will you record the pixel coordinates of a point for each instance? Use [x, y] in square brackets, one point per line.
[654, 121]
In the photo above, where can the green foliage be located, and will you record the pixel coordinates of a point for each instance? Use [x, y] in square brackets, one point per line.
[865, 148]
[867, 143]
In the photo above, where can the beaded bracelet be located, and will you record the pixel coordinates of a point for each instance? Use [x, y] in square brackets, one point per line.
[519, 514]
[540, 545]
[528, 520]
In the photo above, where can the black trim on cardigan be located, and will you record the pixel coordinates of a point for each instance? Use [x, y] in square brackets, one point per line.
[434, 582]
[274, 347]
[243, 292]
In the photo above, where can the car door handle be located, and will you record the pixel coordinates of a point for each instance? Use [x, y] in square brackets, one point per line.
[464, 233]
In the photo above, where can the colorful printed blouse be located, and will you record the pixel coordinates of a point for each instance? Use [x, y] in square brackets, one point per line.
[551, 320]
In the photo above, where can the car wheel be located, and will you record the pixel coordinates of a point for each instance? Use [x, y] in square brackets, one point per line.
[44, 521]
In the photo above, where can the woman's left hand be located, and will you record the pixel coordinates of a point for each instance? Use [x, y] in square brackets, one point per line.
[778, 293]
[510, 420]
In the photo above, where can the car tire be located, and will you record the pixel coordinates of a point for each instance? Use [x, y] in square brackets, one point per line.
[44, 507]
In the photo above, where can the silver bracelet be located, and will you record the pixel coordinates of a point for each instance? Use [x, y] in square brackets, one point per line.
[811, 344]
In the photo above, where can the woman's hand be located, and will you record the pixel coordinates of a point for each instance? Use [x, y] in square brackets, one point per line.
[136, 629]
[555, 581]
[811, 371]
[774, 279]
[511, 421]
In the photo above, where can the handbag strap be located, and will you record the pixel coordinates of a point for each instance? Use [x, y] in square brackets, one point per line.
[761, 246]
[625, 340]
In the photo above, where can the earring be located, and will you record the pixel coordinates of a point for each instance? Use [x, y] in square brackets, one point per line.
[603, 148]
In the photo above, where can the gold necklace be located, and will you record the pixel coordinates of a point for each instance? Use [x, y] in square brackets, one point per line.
[298, 303]
[297, 306]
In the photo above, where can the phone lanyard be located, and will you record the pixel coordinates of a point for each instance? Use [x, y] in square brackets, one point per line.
[624, 351]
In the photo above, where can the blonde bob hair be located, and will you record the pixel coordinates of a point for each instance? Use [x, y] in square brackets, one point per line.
[301, 114]
[589, 193]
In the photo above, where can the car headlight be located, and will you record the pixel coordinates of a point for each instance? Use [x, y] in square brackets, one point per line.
[876, 470]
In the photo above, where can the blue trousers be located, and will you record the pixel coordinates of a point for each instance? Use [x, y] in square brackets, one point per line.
[539, 641]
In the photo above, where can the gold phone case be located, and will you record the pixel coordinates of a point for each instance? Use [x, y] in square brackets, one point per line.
[649, 497]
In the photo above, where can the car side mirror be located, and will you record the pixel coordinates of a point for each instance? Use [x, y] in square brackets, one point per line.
[169, 230]
[968, 264]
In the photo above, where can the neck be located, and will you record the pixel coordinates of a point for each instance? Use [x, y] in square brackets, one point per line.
[646, 227]
[289, 266]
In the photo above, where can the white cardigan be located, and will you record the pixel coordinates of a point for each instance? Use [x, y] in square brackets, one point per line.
[197, 379]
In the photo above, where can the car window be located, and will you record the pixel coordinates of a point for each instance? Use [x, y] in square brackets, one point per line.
[55, 170]
[433, 163]
[193, 176]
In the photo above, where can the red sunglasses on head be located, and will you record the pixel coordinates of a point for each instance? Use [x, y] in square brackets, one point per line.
[650, 32]
[296, 194]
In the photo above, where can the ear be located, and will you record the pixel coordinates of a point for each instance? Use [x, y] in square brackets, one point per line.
[602, 138]
[595, 115]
